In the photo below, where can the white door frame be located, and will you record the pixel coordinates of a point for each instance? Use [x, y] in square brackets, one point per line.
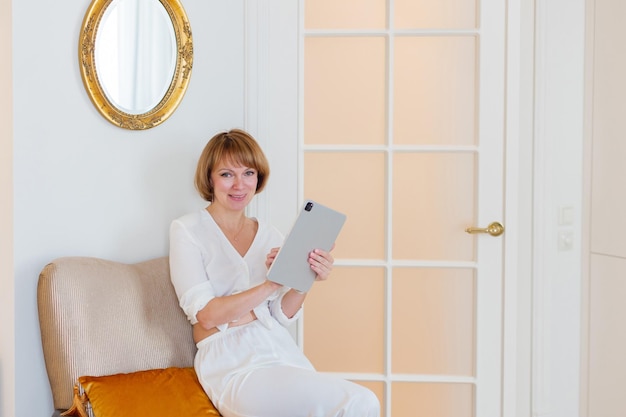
[271, 40]
[517, 219]
[544, 171]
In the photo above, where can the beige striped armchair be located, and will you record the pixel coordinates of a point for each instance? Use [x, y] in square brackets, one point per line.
[100, 319]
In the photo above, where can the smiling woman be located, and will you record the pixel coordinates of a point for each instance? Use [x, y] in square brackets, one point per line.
[136, 58]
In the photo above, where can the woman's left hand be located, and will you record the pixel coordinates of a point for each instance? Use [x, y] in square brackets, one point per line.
[322, 263]
[269, 259]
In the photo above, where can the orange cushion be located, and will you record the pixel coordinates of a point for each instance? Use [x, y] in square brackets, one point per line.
[153, 393]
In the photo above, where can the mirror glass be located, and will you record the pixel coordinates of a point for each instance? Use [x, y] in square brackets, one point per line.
[136, 58]
[135, 54]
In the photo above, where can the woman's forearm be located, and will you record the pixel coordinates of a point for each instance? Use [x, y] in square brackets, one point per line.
[229, 308]
[292, 302]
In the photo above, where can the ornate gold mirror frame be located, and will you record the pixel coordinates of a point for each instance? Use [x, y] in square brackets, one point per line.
[172, 98]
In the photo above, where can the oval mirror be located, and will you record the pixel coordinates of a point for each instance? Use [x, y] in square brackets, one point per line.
[136, 58]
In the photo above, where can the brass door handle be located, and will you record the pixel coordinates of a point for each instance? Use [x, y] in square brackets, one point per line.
[494, 229]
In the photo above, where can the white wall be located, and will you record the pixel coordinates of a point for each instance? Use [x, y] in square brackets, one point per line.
[605, 279]
[85, 187]
[7, 302]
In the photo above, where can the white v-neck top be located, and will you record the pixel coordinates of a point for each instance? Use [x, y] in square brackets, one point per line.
[204, 264]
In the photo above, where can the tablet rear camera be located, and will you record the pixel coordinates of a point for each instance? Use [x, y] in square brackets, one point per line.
[308, 206]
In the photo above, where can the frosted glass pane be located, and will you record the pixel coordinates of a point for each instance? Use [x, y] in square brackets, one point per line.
[432, 400]
[435, 90]
[433, 203]
[344, 90]
[345, 14]
[440, 14]
[352, 183]
[332, 323]
[433, 321]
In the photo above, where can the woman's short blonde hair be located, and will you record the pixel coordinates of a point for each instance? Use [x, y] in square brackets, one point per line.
[236, 146]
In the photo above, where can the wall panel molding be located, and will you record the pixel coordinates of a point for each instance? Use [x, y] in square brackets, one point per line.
[558, 144]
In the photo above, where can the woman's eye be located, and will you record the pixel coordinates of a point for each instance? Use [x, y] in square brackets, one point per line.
[251, 173]
[225, 174]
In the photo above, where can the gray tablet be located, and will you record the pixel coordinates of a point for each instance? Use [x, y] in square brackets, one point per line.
[316, 227]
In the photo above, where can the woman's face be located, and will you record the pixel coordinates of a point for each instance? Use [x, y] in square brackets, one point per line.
[234, 185]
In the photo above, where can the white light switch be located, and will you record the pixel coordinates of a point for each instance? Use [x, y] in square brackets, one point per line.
[566, 215]
[566, 241]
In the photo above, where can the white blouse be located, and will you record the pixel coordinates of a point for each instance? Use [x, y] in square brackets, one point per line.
[205, 265]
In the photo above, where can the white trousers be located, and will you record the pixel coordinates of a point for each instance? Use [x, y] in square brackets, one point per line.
[253, 371]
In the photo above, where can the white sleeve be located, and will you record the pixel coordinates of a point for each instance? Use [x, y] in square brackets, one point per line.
[188, 275]
[195, 299]
[276, 309]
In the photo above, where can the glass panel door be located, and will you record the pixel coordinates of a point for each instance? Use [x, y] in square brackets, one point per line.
[402, 130]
